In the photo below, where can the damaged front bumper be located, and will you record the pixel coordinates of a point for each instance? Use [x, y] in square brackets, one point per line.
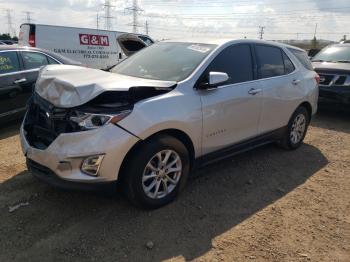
[65, 155]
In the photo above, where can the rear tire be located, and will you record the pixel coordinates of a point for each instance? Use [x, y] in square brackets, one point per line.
[296, 129]
[156, 172]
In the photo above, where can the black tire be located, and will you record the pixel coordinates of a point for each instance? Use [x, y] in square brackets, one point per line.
[286, 141]
[132, 178]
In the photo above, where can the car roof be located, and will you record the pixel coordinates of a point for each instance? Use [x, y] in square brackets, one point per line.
[17, 47]
[224, 41]
[341, 45]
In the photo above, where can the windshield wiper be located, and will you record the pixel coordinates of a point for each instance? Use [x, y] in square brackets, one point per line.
[343, 61]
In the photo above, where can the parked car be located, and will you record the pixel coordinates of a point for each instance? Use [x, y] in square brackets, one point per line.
[19, 69]
[92, 47]
[333, 66]
[9, 42]
[169, 108]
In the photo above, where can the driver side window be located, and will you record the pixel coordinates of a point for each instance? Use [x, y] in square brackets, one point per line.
[236, 62]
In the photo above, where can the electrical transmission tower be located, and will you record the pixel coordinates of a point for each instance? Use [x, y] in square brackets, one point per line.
[108, 17]
[135, 9]
[28, 18]
[261, 31]
[10, 29]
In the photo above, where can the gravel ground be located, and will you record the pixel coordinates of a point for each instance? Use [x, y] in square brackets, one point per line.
[263, 205]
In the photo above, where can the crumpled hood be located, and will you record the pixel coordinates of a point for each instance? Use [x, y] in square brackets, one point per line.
[69, 86]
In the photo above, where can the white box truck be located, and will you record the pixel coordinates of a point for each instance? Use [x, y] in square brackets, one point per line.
[94, 48]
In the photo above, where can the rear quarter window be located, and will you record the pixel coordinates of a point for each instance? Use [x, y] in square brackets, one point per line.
[302, 57]
[8, 62]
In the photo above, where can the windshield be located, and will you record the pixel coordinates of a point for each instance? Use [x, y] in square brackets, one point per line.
[165, 61]
[334, 54]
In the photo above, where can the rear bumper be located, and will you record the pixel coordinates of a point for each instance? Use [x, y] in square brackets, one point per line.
[338, 94]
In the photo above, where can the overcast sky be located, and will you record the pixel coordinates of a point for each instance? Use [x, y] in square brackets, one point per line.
[283, 19]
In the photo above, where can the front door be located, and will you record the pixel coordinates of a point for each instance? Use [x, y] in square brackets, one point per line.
[231, 112]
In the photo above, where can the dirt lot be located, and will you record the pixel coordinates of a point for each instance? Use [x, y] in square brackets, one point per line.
[264, 205]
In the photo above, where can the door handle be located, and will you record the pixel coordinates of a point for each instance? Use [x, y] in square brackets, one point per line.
[296, 82]
[18, 81]
[254, 91]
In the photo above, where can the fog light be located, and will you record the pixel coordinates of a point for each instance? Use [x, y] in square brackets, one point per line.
[91, 165]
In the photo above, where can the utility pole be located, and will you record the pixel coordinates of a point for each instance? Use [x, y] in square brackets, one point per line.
[261, 31]
[135, 9]
[10, 29]
[146, 28]
[28, 19]
[315, 31]
[108, 17]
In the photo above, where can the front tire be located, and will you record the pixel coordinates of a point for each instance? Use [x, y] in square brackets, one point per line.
[296, 129]
[156, 172]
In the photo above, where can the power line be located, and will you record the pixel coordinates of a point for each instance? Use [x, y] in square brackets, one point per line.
[135, 9]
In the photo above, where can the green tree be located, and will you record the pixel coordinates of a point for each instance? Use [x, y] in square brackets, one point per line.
[5, 37]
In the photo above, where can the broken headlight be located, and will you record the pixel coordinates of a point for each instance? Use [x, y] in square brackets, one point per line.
[91, 121]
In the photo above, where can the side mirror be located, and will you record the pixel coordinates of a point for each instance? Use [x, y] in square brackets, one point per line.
[214, 79]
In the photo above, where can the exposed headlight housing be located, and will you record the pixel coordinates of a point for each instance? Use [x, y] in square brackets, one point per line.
[92, 121]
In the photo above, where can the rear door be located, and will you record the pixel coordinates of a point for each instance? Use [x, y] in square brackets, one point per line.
[231, 112]
[10, 84]
[279, 80]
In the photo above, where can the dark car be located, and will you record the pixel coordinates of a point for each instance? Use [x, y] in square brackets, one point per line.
[19, 68]
[9, 42]
[333, 66]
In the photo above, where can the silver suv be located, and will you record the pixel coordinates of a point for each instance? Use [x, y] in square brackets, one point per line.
[171, 107]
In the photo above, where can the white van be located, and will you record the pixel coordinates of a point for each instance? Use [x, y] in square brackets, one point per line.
[94, 48]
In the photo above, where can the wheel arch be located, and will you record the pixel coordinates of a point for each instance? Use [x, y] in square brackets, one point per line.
[176, 133]
[308, 108]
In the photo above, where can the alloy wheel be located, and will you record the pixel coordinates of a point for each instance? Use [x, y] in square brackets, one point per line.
[298, 129]
[161, 174]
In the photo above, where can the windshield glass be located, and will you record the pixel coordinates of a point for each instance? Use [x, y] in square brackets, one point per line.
[165, 61]
[334, 54]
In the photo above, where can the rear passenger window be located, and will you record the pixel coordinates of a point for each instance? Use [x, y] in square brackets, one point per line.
[236, 61]
[8, 62]
[302, 57]
[32, 60]
[288, 65]
[270, 61]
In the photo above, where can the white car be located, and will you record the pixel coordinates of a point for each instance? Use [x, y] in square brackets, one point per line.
[169, 108]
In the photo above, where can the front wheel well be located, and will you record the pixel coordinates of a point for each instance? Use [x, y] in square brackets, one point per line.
[178, 134]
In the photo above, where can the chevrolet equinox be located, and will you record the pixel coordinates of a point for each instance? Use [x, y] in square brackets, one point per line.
[169, 108]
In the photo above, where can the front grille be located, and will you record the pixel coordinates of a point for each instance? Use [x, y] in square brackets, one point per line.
[44, 122]
[333, 79]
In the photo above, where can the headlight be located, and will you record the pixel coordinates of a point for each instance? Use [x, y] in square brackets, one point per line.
[92, 121]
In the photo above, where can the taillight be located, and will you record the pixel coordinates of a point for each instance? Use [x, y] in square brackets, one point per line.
[32, 40]
[317, 78]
